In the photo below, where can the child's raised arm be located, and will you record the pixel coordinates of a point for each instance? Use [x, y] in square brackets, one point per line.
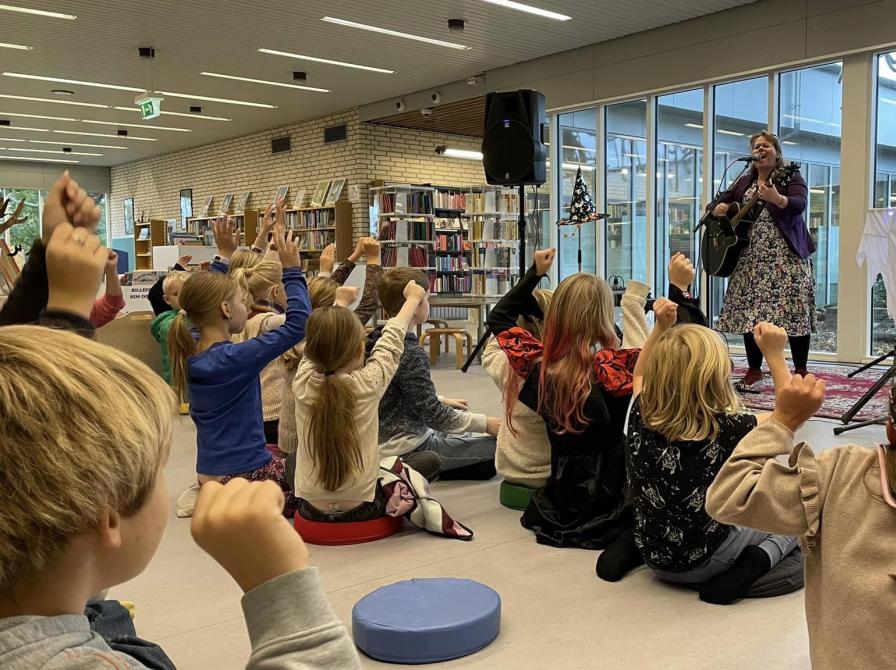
[666, 313]
[771, 340]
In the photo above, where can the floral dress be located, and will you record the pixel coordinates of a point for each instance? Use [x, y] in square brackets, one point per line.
[770, 283]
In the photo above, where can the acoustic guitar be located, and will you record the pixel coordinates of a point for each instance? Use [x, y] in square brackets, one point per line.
[725, 237]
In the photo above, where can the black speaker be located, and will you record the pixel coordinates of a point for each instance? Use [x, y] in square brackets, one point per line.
[513, 150]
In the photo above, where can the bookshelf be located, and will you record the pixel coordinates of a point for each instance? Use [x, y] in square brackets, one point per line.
[406, 224]
[316, 227]
[147, 234]
[199, 228]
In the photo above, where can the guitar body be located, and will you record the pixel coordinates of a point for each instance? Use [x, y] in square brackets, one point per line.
[725, 237]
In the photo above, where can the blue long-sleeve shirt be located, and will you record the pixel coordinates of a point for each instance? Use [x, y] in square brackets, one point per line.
[225, 390]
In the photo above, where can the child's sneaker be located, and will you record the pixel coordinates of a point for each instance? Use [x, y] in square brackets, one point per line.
[753, 375]
[187, 501]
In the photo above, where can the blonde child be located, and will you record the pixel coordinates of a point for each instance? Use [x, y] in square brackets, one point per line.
[685, 421]
[107, 306]
[171, 286]
[221, 377]
[842, 505]
[112, 418]
[582, 396]
[262, 281]
[337, 396]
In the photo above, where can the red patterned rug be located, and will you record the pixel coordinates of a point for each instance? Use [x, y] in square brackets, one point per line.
[842, 391]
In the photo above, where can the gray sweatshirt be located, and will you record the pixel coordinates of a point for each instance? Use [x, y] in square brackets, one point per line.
[291, 627]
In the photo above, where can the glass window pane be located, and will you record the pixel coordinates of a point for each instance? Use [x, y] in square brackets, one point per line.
[679, 177]
[24, 234]
[625, 241]
[809, 124]
[740, 110]
[102, 228]
[883, 329]
[578, 149]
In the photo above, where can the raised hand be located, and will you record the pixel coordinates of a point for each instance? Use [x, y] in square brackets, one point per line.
[543, 259]
[371, 248]
[413, 292]
[227, 236]
[770, 338]
[797, 402]
[68, 202]
[241, 525]
[76, 261]
[184, 261]
[358, 251]
[346, 295]
[286, 249]
[681, 271]
[112, 263]
[328, 258]
[666, 313]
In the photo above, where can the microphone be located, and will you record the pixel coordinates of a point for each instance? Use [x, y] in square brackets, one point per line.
[749, 159]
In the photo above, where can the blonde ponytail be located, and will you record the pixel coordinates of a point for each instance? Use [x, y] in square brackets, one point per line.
[257, 282]
[181, 345]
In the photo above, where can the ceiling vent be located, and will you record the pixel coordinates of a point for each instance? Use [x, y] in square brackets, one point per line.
[335, 134]
[280, 145]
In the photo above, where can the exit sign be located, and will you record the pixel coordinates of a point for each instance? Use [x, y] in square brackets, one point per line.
[150, 108]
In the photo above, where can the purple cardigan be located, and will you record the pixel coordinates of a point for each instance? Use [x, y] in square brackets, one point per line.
[790, 219]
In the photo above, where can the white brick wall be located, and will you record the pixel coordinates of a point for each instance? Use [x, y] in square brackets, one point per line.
[245, 163]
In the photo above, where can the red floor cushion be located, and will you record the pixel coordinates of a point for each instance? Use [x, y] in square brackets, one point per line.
[349, 532]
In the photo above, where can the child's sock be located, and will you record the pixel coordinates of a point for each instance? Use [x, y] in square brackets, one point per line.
[186, 501]
[619, 558]
[732, 584]
[480, 471]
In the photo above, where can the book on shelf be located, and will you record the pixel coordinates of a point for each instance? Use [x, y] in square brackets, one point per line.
[307, 219]
[315, 240]
[402, 202]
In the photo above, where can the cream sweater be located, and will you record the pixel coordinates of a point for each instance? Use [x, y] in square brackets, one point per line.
[272, 375]
[834, 504]
[369, 383]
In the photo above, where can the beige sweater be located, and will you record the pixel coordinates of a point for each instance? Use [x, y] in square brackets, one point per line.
[272, 375]
[369, 383]
[834, 504]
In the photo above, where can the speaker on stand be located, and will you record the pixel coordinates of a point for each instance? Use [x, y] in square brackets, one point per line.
[513, 154]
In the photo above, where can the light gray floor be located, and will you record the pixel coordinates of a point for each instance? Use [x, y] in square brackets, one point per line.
[556, 613]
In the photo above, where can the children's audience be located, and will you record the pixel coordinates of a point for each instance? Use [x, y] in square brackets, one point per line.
[685, 421]
[841, 504]
[412, 417]
[111, 302]
[582, 397]
[220, 377]
[337, 397]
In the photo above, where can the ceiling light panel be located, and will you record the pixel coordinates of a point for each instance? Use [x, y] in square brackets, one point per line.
[137, 125]
[53, 101]
[36, 130]
[395, 33]
[264, 81]
[120, 137]
[71, 144]
[226, 101]
[78, 82]
[37, 12]
[38, 160]
[529, 9]
[20, 47]
[51, 151]
[184, 114]
[326, 61]
[37, 116]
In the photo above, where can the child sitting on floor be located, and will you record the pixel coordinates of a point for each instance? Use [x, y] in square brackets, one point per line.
[221, 377]
[841, 504]
[107, 306]
[685, 421]
[412, 416]
[337, 396]
[112, 417]
[581, 394]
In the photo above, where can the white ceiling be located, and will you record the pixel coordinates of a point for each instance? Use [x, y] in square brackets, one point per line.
[223, 36]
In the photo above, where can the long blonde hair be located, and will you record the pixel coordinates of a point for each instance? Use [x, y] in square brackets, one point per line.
[580, 315]
[86, 425]
[244, 258]
[334, 338]
[200, 301]
[322, 292]
[687, 384]
[259, 280]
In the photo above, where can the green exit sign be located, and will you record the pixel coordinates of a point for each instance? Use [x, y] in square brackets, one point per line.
[150, 108]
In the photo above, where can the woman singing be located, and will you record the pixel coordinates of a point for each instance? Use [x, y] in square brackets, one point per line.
[773, 279]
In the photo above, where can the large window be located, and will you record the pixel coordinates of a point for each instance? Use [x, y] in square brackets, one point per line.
[578, 149]
[740, 110]
[625, 241]
[883, 330]
[679, 177]
[23, 234]
[809, 128]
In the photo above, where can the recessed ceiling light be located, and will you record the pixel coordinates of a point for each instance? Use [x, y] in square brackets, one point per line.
[39, 160]
[190, 116]
[79, 82]
[37, 116]
[52, 151]
[538, 11]
[729, 132]
[36, 130]
[227, 101]
[72, 144]
[395, 33]
[55, 102]
[137, 125]
[264, 81]
[20, 47]
[62, 91]
[326, 61]
[130, 137]
[37, 12]
[12, 139]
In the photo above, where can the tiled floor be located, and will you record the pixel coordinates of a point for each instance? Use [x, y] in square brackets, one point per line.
[556, 613]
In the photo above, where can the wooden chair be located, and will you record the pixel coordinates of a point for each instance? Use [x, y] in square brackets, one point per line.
[460, 336]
